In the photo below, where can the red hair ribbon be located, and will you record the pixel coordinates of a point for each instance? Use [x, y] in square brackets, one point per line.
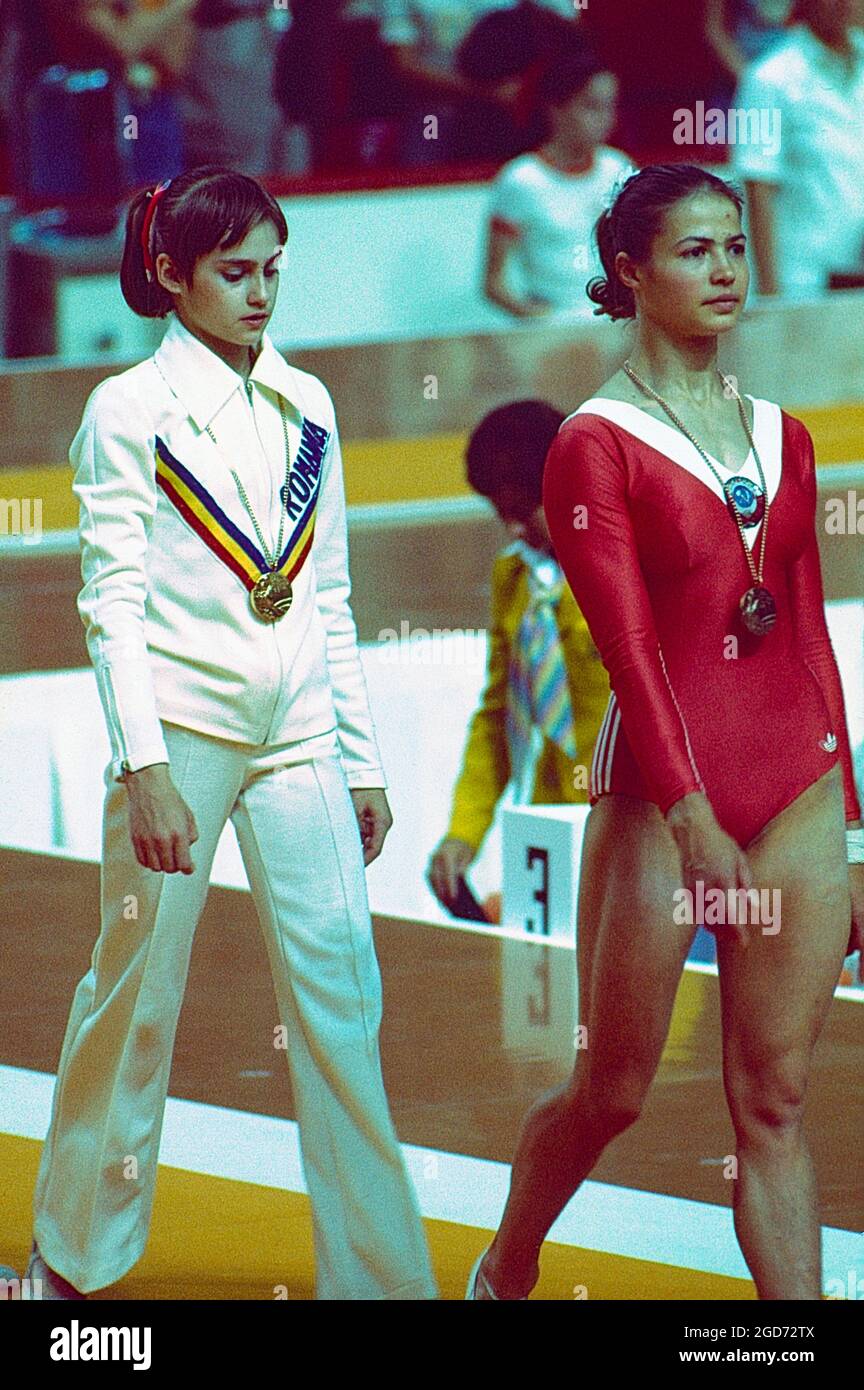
[146, 240]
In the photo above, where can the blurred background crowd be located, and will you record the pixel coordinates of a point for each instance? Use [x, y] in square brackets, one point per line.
[347, 79]
[551, 101]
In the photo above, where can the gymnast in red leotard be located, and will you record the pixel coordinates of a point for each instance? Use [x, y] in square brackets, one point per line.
[710, 706]
[683, 516]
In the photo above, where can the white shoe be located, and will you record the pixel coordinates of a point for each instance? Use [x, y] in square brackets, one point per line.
[471, 1288]
[53, 1285]
[476, 1274]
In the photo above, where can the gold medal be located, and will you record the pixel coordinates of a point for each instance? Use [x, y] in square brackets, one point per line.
[271, 596]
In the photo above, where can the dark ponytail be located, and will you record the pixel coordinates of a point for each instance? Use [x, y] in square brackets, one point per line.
[201, 209]
[147, 298]
[633, 220]
[611, 295]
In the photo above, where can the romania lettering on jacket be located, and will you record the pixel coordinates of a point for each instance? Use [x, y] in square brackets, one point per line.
[232, 546]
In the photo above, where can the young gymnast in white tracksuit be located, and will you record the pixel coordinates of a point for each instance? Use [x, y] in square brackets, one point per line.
[216, 607]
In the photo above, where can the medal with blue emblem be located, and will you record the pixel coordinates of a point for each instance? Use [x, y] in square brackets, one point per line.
[746, 501]
[747, 497]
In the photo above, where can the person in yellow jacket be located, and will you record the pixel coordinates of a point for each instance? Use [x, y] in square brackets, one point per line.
[546, 689]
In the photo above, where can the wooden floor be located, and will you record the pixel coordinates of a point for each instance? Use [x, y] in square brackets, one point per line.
[462, 1059]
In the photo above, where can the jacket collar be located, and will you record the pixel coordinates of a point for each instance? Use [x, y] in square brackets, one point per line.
[203, 382]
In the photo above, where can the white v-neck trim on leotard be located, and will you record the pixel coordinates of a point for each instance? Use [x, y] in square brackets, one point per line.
[668, 440]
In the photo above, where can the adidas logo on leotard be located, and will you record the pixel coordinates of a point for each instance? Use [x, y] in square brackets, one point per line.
[829, 743]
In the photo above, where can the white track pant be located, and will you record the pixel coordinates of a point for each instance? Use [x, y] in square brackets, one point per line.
[301, 847]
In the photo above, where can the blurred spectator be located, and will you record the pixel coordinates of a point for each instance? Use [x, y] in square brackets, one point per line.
[757, 25]
[545, 203]
[806, 189]
[229, 112]
[143, 50]
[126, 37]
[333, 77]
[666, 57]
[447, 57]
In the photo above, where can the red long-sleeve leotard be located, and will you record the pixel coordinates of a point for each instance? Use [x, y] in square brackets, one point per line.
[698, 703]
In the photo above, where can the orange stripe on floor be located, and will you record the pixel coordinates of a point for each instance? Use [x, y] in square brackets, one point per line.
[216, 1238]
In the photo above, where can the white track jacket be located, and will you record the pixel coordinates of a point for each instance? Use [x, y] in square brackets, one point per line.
[168, 554]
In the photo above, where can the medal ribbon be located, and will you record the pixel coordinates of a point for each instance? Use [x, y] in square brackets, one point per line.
[228, 543]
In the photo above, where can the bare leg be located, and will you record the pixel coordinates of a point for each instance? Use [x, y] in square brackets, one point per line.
[775, 997]
[630, 956]
[777, 1216]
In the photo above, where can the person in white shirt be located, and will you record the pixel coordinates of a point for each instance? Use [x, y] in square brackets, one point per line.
[544, 204]
[805, 189]
[216, 605]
